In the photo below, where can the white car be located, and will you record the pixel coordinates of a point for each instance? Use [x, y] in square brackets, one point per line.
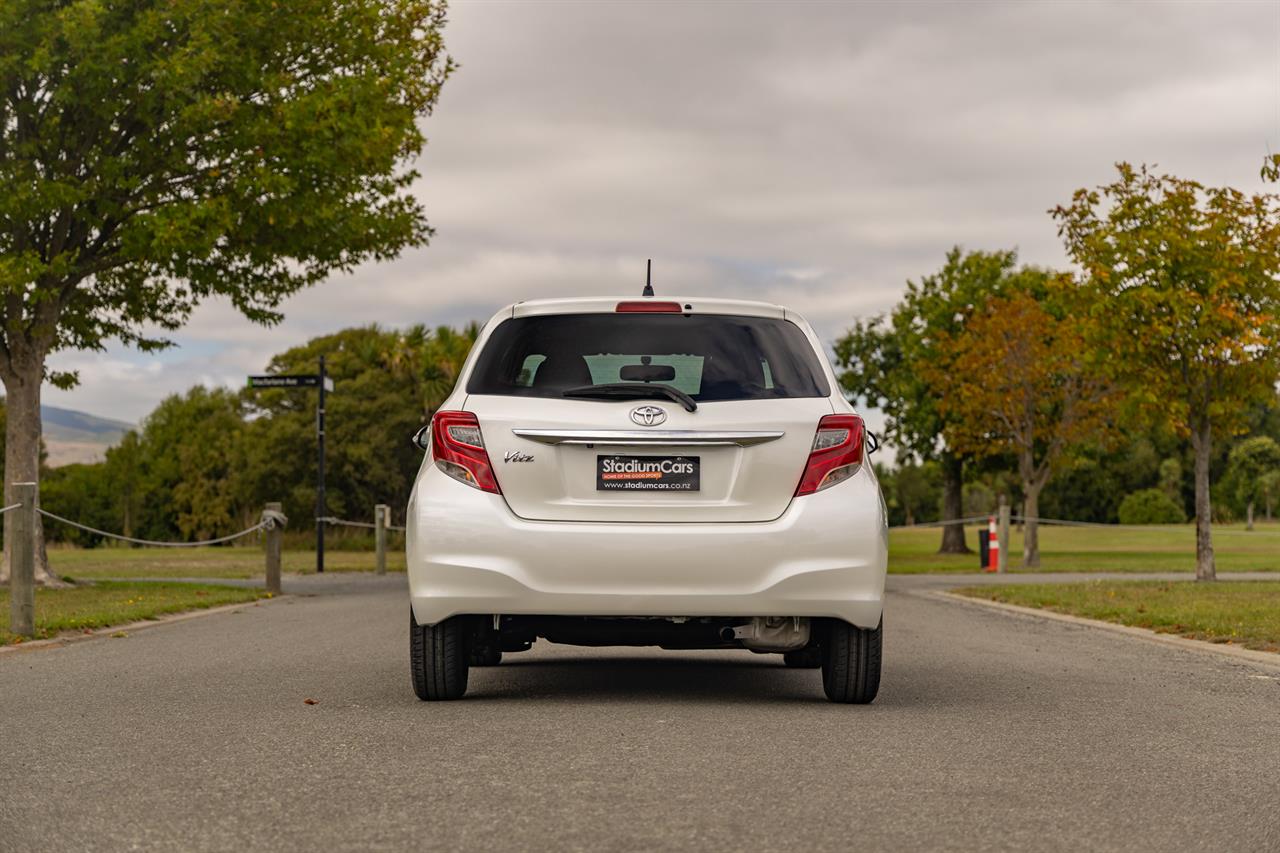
[681, 473]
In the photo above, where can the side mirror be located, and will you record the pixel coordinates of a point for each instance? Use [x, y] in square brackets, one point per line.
[874, 441]
[422, 438]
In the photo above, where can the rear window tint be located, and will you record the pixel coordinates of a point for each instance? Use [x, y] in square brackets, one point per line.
[709, 357]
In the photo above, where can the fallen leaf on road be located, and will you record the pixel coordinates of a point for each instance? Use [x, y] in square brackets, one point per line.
[310, 701]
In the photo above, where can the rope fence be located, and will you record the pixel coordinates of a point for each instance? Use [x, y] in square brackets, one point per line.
[995, 541]
[368, 525]
[264, 524]
[1062, 522]
[272, 522]
[973, 519]
[25, 529]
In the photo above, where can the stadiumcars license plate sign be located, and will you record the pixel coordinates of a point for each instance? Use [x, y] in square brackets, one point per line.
[647, 473]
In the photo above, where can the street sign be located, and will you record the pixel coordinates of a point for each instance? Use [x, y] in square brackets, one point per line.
[321, 382]
[304, 380]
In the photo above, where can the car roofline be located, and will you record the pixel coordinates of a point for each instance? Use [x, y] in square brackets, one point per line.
[609, 304]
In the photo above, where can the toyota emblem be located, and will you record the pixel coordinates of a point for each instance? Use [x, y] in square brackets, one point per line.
[648, 415]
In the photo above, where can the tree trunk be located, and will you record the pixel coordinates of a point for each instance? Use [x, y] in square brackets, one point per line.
[1031, 536]
[22, 454]
[1248, 516]
[1202, 442]
[952, 505]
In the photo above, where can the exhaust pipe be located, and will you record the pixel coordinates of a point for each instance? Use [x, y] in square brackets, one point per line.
[769, 633]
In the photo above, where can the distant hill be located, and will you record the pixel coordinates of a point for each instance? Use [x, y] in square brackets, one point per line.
[71, 436]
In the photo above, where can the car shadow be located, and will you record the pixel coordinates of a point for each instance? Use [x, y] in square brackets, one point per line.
[645, 679]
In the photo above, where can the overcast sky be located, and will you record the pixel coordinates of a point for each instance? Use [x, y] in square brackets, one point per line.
[816, 155]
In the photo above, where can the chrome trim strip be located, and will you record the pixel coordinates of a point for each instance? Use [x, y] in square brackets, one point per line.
[623, 437]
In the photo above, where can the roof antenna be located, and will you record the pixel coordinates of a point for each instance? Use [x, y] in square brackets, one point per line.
[648, 272]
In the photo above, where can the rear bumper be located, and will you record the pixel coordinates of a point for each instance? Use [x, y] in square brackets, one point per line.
[469, 554]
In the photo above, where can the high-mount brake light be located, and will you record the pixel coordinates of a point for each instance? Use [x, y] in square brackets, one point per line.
[649, 308]
[837, 452]
[457, 447]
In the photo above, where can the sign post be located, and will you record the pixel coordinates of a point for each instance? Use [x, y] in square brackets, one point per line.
[322, 383]
[320, 504]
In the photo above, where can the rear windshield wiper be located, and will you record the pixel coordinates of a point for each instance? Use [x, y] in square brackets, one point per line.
[634, 390]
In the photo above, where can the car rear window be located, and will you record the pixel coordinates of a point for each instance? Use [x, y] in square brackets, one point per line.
[709, 356]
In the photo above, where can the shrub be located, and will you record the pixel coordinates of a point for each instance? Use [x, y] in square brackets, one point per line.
[1150, 506]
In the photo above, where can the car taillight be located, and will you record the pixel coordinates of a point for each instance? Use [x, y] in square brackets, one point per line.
[836, 454]
[458, 450]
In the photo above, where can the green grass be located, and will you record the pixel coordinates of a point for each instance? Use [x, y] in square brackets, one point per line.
[1091, 549]
[214, 562]
[1246, 613]
[106, 603]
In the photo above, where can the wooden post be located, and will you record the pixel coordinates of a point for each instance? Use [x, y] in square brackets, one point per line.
[381, 518]
[22, 568]
[1002, 534]
[275, 538]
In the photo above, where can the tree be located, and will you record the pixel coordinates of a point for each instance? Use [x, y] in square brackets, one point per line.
[1252, 467]
[1150, 506]
[123, 466]
[369, 421]
[156, 154]
[881, 360]
[1017, 379]
[1269, 487]
[81, 492]
[911, 491]
[1188, 285]
[430, 361]
[1171, 479]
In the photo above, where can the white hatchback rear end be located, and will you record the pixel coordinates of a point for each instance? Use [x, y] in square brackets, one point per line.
[680, 473]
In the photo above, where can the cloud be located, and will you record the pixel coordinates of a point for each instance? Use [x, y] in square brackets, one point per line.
[814, 154]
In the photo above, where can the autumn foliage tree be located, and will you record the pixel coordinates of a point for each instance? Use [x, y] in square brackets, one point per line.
[156, 154]
[1019, 380]
[1187, 283]
[883, 361]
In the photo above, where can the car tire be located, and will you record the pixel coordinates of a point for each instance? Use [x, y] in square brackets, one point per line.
[851, 662]
[806, 658]
[438, 659]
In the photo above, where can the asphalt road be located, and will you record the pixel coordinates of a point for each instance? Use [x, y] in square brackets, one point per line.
[992, 731]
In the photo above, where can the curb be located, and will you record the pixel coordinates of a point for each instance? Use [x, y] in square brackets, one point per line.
[1243, 655]
[130, 627]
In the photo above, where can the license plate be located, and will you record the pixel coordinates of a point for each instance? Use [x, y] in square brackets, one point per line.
[647, 473]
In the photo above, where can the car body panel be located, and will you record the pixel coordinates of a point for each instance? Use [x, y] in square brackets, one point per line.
[825, 557]
[736, 549]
